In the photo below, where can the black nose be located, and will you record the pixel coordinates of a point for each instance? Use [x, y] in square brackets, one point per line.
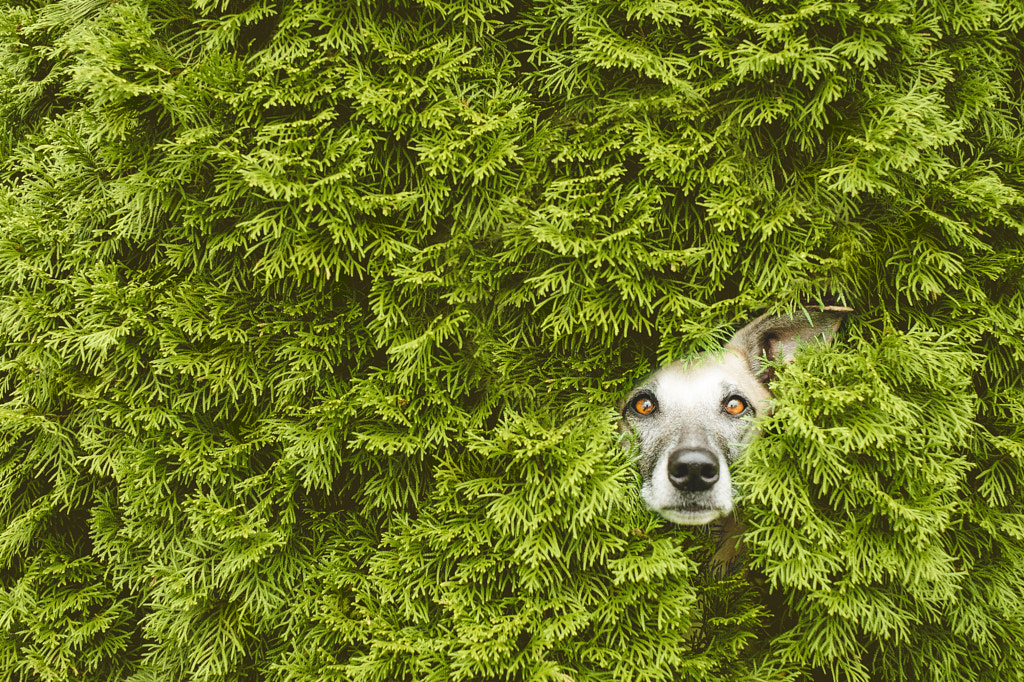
[692, 470]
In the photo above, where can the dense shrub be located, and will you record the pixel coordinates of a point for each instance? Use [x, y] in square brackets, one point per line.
[313, 315]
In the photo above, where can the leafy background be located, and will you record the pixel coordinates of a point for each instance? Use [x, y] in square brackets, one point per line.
[314, 313]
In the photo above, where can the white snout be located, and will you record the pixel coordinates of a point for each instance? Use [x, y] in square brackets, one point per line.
[684, 507]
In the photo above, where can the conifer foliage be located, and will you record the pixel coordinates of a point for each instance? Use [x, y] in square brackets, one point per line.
[314, 313]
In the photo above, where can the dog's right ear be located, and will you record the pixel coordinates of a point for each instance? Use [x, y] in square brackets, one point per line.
[772, 338]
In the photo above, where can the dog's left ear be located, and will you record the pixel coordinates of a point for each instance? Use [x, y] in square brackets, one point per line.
[776, 337]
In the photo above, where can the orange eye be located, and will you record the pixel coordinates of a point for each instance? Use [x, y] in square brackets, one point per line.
[644, 405]
[735, 406]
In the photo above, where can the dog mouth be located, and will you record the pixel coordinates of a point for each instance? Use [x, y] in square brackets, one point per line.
[692, 514]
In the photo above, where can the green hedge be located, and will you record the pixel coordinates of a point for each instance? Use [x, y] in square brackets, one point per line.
[314, 313]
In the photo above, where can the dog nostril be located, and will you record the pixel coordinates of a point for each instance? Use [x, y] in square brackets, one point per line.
[692, 470]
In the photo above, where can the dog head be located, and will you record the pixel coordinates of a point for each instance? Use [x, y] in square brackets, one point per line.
[690, 420]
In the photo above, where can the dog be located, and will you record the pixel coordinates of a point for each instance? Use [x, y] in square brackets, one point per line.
[691, 420]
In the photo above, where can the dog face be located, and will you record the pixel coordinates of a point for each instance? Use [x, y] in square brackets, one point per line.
[690, 420]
